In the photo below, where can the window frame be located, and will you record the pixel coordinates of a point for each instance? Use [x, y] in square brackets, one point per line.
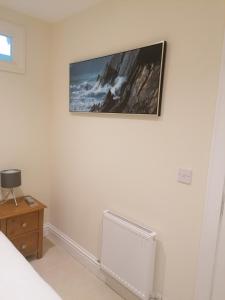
[17, 33]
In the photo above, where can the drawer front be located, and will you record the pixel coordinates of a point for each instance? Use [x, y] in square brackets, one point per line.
[27, 243]
[22, 224]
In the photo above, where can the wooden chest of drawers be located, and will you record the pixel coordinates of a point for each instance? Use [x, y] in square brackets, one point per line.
[23, 225]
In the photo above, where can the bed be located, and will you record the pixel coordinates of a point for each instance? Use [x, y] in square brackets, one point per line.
[18, 280]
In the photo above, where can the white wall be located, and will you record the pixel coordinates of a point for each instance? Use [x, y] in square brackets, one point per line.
[25, 108]
[129, 164]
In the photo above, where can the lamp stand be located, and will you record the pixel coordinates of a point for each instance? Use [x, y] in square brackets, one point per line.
[11, 191]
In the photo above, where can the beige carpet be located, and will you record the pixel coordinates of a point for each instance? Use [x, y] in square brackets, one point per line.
[70, 279]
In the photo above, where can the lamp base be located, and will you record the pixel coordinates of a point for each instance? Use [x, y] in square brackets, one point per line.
[11, 191]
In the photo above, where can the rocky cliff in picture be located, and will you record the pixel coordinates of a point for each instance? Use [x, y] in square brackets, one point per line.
[128, 82]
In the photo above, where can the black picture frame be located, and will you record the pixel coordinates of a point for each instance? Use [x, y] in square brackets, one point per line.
[129, 82]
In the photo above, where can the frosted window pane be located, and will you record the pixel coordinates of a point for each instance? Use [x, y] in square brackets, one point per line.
[5, 48]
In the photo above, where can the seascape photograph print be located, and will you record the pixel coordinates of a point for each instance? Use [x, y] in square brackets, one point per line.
[127, 82]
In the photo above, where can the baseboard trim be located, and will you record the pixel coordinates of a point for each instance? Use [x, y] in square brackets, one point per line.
[79, 253]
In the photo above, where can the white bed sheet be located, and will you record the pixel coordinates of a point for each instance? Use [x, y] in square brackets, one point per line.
[18, 279]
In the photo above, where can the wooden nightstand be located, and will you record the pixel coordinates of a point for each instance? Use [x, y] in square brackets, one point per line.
[23, 225]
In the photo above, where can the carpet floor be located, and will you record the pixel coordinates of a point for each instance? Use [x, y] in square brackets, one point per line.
[69, 278]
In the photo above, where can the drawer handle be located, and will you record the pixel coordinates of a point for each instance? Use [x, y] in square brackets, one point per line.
[24, 225]
[24, 246]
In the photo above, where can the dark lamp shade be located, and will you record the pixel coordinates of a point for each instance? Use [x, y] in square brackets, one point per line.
[10, 178]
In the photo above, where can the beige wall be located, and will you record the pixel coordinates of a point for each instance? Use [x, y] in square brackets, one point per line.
[24, 110]
[129, 164]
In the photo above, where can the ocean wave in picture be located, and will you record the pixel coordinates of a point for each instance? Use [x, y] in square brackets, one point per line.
[88, 93]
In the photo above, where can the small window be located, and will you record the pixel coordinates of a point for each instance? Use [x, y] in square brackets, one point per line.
[6, 48]
[12, 47]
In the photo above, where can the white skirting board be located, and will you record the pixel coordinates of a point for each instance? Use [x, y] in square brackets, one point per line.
[74, 249]
[88, 260]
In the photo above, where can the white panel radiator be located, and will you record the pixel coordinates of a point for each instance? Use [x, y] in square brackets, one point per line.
[128, 254]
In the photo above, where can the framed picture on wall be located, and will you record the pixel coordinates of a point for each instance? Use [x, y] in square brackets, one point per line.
[128, 82]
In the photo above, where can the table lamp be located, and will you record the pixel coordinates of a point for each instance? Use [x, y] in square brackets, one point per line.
[9, 180]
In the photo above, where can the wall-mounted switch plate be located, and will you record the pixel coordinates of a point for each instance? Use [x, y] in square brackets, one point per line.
[184, 176]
